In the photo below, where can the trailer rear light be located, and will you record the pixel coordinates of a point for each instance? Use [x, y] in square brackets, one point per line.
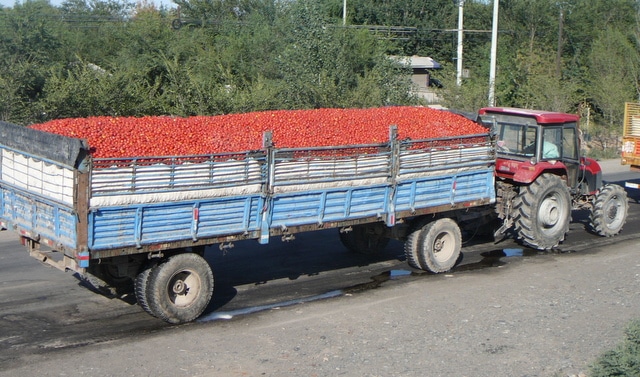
[83, 259]
[27, 234]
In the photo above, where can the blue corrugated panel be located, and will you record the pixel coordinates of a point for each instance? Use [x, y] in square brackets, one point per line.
[112, 227]
[337, 205]
[4, 209]
[295, 209]
[40, 217]
[430, 192]
[229, 216]
[331, 205]
[436, 191]
[474, 186]
[368, 201]
[167, 222]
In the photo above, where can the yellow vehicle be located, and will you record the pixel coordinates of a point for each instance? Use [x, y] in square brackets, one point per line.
[631, 139]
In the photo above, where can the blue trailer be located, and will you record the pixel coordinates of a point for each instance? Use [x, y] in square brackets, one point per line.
[143, 223]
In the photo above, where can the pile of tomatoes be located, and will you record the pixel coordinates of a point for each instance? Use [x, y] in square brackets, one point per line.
[119, 137]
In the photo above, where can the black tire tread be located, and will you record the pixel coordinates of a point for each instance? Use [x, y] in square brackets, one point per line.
[140, 286]
[527, 199]
[597, 219]
[411, 249]
[427, 260]
[156, 289]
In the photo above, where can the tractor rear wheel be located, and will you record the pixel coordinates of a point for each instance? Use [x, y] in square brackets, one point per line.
[543, 212]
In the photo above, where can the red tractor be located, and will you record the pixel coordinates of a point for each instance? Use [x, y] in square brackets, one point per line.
[541, 177]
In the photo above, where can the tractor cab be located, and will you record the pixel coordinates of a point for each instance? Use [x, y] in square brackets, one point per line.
[532, 142]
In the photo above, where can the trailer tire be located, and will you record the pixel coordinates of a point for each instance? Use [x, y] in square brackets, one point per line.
[543, 212]
[411, 243]
[179, 289]
[140, 286]
[411, 249]
[436, 245]
[365, 238]
[609, 212]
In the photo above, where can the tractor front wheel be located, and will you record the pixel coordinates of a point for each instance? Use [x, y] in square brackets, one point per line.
[609, 212]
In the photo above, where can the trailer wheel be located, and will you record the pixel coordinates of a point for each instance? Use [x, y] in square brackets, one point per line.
[179, 289]
[543, 212]
[609, 212]
[411, 243]
[140, 286]
[437, 245]
[411, 249]
[365, 239]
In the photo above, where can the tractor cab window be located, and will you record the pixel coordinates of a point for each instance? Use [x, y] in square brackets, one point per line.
[517, 139]
[570, 142]
[551, 142]
[560, 142]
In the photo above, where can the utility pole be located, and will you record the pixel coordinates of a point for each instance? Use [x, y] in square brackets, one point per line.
[460, 4]
[494, 50]
[344, 12]
[559, 53]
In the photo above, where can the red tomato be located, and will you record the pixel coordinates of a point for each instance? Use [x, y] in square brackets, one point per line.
[117, 137]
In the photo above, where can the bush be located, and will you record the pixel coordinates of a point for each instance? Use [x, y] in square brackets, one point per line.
[624, 360]
[603, 154]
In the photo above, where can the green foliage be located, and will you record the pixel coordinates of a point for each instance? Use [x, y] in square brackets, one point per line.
[538, 83]
[253, 55]
[119, 57]
[88, 90]
[471, 95]
[614, 65]
[624, 360]
[324, 66]
[603, 154]
[14, 90]
[219, 10]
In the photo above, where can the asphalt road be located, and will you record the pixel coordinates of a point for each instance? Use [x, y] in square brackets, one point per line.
[308, 307]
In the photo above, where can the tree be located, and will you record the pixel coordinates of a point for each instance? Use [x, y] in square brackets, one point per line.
[224, 10]
[613, 80]
[537, 82]
[29, 44]
[323, 66]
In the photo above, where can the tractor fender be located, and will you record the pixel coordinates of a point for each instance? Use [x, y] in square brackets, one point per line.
[592, 173]
[525, 172]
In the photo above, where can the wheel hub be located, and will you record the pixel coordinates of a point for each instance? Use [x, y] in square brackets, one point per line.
[184, 288]
[612, 212]
[549, 213]
[179, 287]
[443, 246]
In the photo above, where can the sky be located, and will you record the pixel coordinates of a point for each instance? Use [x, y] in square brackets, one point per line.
[9, 3]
